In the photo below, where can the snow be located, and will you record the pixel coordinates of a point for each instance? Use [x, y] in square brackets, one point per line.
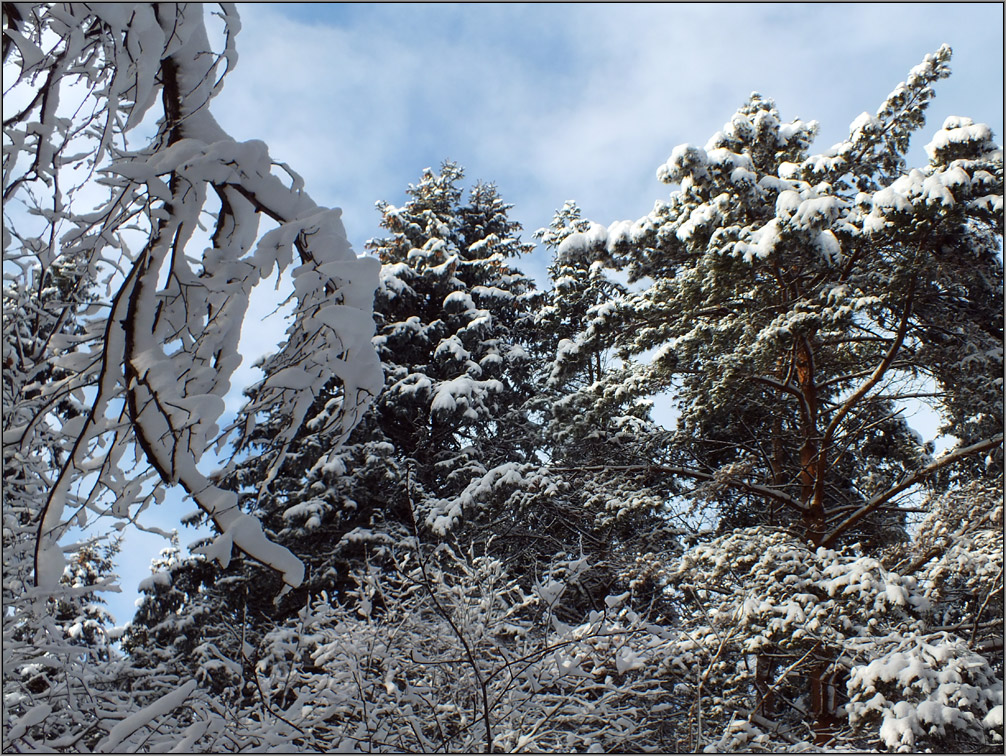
[549, 591]
[415, 383]
[35, 715]
[728, 160]
[958, 130]
[517, 353]
[462, 391]
[620, 232]
[580, 242]
[702, 216]
[485, 244]
[50, 564]
[158, 578]
[295, 378]
[742, 175]
[896, 594]
[787, 203]
[247, 535]
[934, 191]
[452, 346]
[627, 660]
[829, 246]
[899, 726]
[492, 292]
[311, 512]
[462, 298]
[808, 210]
[761, 243]
[393, 279]
[892, 198]
[864, 122]
[686, 160]
[192, 734]
[444, 401]
[162, 706]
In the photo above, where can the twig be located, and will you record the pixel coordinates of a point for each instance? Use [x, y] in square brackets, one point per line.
[447, 617]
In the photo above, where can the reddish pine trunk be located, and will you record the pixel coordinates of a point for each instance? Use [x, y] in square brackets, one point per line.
[811, 456]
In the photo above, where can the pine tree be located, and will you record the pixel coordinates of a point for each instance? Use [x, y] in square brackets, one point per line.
[797, 302]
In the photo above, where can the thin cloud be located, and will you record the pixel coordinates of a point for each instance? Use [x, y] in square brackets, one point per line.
[565, 102]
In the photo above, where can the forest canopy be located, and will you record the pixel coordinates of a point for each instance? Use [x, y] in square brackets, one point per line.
[445, 518]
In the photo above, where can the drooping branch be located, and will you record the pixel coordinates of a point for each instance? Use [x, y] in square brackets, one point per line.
[169, 343]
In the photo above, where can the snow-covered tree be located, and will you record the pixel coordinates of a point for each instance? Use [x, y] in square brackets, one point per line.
[451, 654]
[453, 322]
[452, 317]
[795, 304]
[122, 318]
[580, 291]
[162, 341]
[798, 301]
[827, 647]
[599, 445]
[428, 561]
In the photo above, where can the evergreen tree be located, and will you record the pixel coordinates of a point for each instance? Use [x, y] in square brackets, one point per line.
[797, 302]
[453, 327]
[453, 319]
[600, 445]
[50, 637]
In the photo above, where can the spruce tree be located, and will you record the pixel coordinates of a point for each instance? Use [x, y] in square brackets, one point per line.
[599, 444]
[453, 322]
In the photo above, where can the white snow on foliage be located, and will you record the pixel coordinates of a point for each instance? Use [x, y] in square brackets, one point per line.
[922, 686]
[150, 583]
[462, 391]
[459, 298]
[761, 243]
[162, 706]
[598, 237]
[958, 130]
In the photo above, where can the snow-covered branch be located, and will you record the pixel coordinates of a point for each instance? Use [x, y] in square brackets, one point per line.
[164, 342]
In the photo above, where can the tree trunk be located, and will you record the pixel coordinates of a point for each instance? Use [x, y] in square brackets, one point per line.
[810, 448]
[823, 704]
[764, 670]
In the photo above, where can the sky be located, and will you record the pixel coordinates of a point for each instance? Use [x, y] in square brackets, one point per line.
[558, 102]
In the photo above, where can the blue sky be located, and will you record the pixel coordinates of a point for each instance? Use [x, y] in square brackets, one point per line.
[558, 102]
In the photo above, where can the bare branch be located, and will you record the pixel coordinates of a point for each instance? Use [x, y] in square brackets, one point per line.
[878, 373]
[916, 477]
